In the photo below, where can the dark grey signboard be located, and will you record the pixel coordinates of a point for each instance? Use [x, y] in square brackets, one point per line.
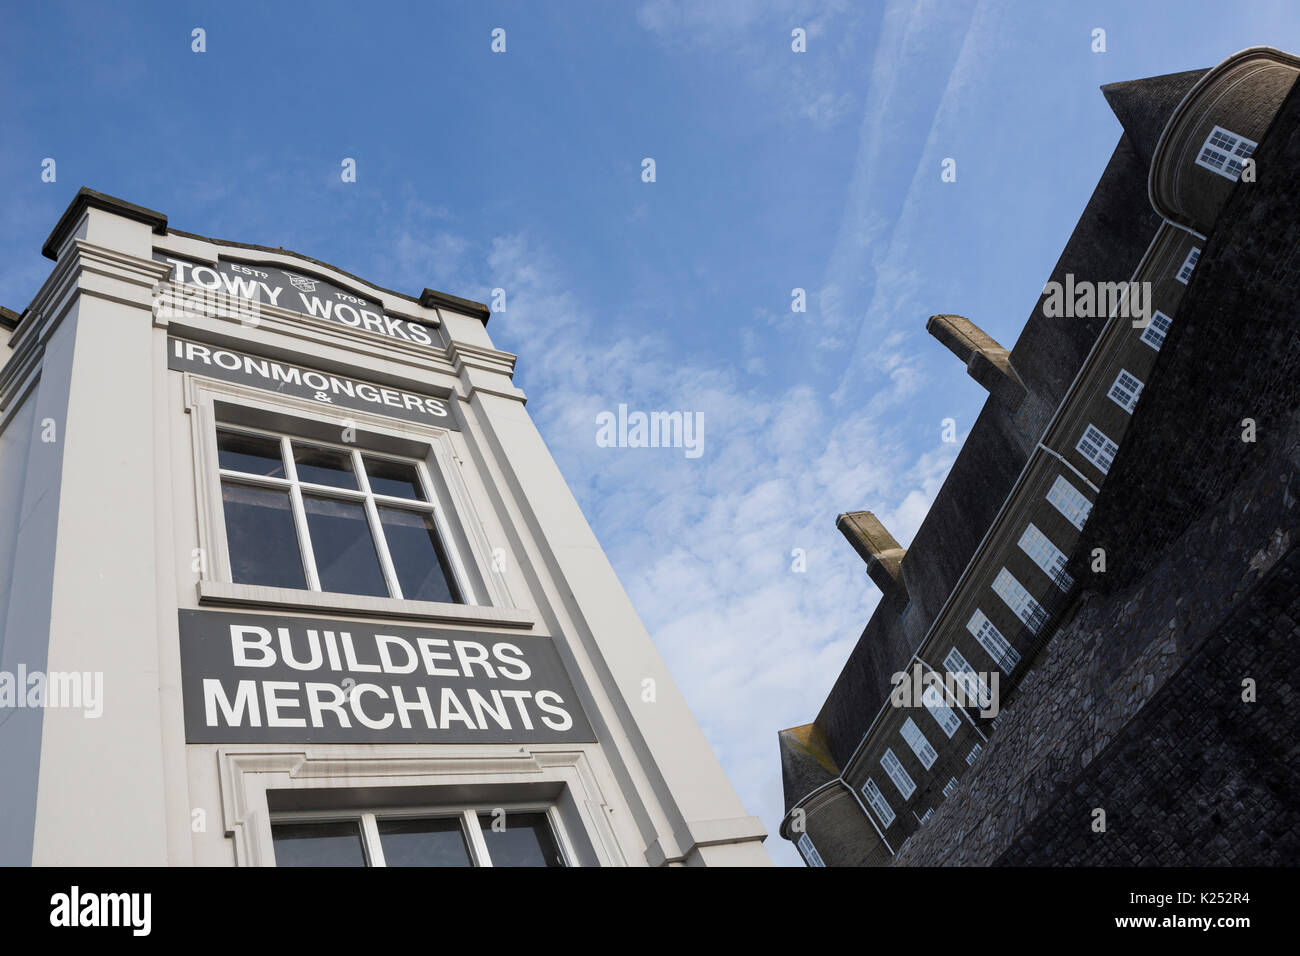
[258, 678]
[295, 291]
[289, 379]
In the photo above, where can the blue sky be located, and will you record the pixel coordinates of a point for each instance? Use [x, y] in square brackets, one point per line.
[775, 170]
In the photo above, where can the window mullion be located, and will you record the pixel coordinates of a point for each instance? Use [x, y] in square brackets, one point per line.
[299, 515]
[452, 553]
[374, 846]
[477, 845]
[376, 529]
[381, 547]
[560, 836]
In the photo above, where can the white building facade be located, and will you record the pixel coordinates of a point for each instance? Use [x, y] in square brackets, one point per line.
[288, 576]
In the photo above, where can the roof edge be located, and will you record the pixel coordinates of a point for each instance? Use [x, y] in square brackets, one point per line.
[87, 198]
[429, 298]
[433, 299]
[1198, 89]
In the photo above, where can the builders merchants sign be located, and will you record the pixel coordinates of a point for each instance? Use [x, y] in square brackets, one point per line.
[258, 678]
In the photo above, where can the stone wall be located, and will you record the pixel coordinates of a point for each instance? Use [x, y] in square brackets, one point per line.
[1200, 777]
[1136, 707]
[1233, 353]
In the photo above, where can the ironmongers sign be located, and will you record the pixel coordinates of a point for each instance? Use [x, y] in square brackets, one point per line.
[295, 291]
[289, 379]
[258, 678]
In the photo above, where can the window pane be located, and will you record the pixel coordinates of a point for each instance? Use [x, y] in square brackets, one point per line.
[251, 454]
[418, 556]
[318, 844]
[396, 478]
[432, 842]
[525, 841]
[345, 553]
[261, 537]
[324, 466]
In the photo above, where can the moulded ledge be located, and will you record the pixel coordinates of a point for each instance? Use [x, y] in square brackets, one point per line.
[224, 593]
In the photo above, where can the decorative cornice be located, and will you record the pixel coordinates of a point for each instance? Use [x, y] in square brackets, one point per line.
[90, 199]
[433, 299]
[464, 355]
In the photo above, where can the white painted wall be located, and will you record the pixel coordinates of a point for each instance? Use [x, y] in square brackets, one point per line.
[123, 501]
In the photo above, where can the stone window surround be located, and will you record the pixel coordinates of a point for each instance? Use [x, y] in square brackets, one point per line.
[239, 404]
[368, 819]
[562, 779]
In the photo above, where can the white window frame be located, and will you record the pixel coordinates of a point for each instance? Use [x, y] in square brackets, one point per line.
[590, 833]
[1022, 602]
[949, 787]
[1069, 501]
[990, 638]
[920, 746]
[1184, 274]
[975, 751]
[943, 715]
[876, 800]
[1156, 331]
[1046, 555]
[898, 774]
[1099, 450]
[809, 851]
[470, 538]
[973, 684]
[1125, 390]
[470, 827]
[1225, 152]
[371, 501]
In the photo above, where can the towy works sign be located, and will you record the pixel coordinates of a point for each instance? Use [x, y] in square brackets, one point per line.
[258, 678]
[295, 291]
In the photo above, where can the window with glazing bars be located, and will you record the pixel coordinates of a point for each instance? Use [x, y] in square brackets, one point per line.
[450, 839]
[1069, 501]
[1189, 264]
[1097, 448]
[1154, 334]
[1126, 391]
[308, 515]
[1046, 555]
[1225, 153]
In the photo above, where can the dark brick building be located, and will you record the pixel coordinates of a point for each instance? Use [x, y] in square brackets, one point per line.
[1114, 548]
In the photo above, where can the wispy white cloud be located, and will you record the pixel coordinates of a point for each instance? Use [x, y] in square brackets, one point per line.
[867, 280]
[705, 547]
[899, 300]
[757, 39]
